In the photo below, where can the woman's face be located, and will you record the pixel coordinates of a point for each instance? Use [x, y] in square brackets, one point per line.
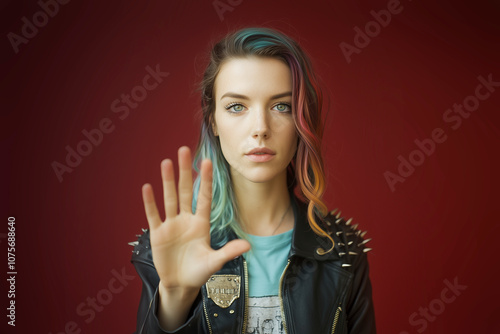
[253, 117]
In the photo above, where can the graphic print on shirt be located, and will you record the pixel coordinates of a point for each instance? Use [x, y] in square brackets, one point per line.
[264, 316]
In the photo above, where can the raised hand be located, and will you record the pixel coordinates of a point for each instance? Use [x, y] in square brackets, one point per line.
[181, 248]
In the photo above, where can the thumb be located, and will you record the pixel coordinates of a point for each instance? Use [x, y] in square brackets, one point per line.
[230, 250]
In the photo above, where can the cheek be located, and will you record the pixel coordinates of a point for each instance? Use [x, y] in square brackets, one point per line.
[293, 140]
[224, 125]
[227, 136]
[228, 141]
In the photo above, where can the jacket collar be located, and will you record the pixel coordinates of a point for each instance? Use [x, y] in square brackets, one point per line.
[304, 241]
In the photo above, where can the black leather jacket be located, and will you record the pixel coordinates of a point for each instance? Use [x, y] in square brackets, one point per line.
[328, 293]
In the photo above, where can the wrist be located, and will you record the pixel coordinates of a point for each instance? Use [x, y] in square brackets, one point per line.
[174, 305]
[180, 294]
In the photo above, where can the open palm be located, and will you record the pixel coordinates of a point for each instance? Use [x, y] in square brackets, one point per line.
[181, 247]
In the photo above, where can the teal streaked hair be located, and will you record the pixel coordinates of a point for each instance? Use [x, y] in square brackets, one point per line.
[223, 216]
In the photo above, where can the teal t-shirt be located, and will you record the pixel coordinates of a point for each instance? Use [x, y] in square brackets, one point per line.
[266, 261]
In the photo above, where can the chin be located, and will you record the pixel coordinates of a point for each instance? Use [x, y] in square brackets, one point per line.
[261, 176]
[259, 179]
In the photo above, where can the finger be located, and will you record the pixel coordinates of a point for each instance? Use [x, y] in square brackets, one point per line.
[150, 206]
[185, 180]
[230, 250]
[204, 202]
[169, 191]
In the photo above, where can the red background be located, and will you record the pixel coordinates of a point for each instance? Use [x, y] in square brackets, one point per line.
[441, 223]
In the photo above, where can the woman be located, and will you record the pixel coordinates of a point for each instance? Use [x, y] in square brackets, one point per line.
[251, 247]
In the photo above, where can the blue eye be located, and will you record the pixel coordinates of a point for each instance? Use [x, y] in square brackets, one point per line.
[283, 107]
[234, 107]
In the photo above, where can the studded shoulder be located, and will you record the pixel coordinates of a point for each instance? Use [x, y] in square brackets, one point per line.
[142, 246]
[350, 241]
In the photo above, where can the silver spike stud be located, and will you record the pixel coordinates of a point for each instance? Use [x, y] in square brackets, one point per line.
[138, 235]
[348, 222]
[341, 253]
[338, 221]
[358, 232]
[333, 211]
[366, 250]
[352, 253]
[328, 223]
[346, 265]
[133, 243]
[363, 234]
[350, 243]
[338, 215]
[364, 242]
[338, 233]
[349, 233]
[144, 230]
[355, 226]
[341, 244]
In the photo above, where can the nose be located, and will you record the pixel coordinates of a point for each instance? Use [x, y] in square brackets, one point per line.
[261, 124]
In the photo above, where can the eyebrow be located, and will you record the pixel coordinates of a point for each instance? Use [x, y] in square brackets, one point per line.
[243, 97]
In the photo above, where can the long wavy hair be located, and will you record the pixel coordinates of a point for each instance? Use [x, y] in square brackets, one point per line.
[305, 173]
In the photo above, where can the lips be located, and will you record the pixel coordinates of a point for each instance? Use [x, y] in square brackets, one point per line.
[261, 150]
[260, 154]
